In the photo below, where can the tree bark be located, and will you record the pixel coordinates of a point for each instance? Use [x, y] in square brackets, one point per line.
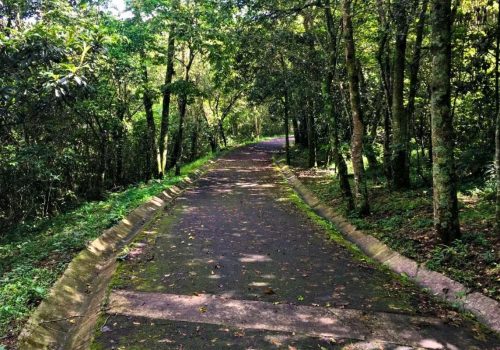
[338, 158]
[182, 101]
[386, 86]
[286, 126]
[400, 159]
[497, 126]
[360, 189]
[165, 114]
[415, 63]
[443, 170]
[311, 134]
[151, 157]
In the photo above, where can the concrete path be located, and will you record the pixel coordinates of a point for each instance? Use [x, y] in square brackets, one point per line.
[236, 265]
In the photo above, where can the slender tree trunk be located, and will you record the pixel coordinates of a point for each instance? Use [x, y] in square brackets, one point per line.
[151, 158]
[497, 126]
[360, 189]
[443, 169]
[183, 101]
[370, 153]
[311, 134]
[338, 158]
[383, 56]
[287, 127]
[180, 134]
[387, 145]
[165, 114]
[400, 159]
[220, 126]
[386, 86]
[415, 63]
[296, 133]
[303, 127]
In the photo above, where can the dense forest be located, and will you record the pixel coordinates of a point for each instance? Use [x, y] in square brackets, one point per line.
[400, 94]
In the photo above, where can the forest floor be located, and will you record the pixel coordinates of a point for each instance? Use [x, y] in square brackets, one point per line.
[404, 221]
[240, 262]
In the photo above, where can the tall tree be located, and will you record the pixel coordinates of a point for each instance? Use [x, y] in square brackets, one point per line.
[184, 92]
[360, 189]
[497, 111]
[400, 158]
[165, 114]
[338, 158]
[443, 165]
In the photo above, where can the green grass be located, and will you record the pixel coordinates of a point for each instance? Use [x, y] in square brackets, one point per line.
[34, 255]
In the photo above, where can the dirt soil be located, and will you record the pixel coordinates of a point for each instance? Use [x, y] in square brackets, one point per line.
[237, 235]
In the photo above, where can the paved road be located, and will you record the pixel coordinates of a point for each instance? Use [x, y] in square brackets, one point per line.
[236, 265]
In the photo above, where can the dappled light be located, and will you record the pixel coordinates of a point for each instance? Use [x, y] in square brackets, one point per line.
[249, 258]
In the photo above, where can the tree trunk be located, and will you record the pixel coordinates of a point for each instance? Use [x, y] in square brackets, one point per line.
[443, 169]
[151, 157]
[387, 145]
[400, 159]
[180, 134]
[296, 133]
[311, 134]
[183, 101]
[338, 158]
[497, 126]
[303, 127]
[415, 64]
[360, 189]
[386, 86]
[165, 114]
[287, 127]
[220, 127]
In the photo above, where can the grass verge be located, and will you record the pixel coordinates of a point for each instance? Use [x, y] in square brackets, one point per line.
[33, 256]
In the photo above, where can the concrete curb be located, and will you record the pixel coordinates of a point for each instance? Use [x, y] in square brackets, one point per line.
[484, 308]
[67, 317]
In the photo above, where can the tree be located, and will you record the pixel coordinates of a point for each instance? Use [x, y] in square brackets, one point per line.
[443, 171]
[401, 165]
[331, 104]
[360, 189]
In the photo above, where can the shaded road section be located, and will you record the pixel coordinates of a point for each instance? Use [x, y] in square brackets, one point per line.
[235, 264]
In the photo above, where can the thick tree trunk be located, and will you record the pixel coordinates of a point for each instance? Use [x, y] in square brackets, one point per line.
[400, 159]
[443, 169]
[165, 114]
[338, 158]
[360, 189]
